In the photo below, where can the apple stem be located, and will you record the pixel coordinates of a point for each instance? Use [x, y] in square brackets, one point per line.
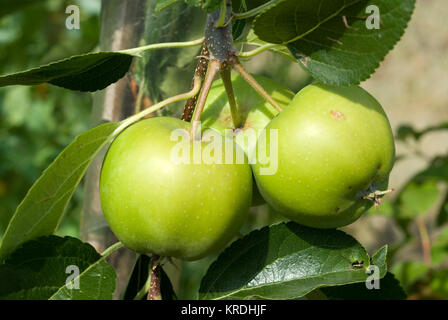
[253, 83]
[214, 67]
[227, 80]
[154, 274]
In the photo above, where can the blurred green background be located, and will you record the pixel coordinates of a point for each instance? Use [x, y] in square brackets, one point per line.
[37, 122]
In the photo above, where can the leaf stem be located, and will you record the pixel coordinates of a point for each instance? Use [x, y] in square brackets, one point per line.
[227, 80]
[138, 50]
[151, 288]
[254, 84]
[254, 11]
[145, 289]
[111, 249]
[256, 51]
[184, 96]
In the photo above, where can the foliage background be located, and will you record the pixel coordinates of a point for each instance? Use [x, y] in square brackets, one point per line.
[36, 123]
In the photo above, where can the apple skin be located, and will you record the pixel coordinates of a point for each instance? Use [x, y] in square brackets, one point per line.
[255, 111]
[334, 143]
[154, 205]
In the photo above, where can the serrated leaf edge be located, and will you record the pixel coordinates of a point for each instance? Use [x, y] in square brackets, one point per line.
[254, 232]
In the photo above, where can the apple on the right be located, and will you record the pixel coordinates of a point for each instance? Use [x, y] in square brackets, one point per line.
[335, 152]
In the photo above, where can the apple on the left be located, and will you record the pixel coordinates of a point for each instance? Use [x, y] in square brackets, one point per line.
[156, 205]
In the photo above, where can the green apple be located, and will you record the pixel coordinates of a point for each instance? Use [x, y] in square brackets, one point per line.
[255, 111]
[156, 204]
[334, 149]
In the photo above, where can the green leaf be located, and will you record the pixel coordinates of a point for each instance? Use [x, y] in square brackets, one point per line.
[437, 170]
[330, 37]
[42, 208]
[250, 4]
[163, 4]
[286, 261]
[439, 283]
[405, 132]
[138, 277]
[439, 249]
[422, 192]
[87, 72]
[166, 287]
[389, 289]
[238, 25]
[417, 198]
[287, 20]
[409, 272]
[379, 259]
[9, 6]
[442, 216]
[40, 268]
[207, 5]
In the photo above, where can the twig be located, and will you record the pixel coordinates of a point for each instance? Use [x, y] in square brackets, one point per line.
[154, 287]
[200, 72]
